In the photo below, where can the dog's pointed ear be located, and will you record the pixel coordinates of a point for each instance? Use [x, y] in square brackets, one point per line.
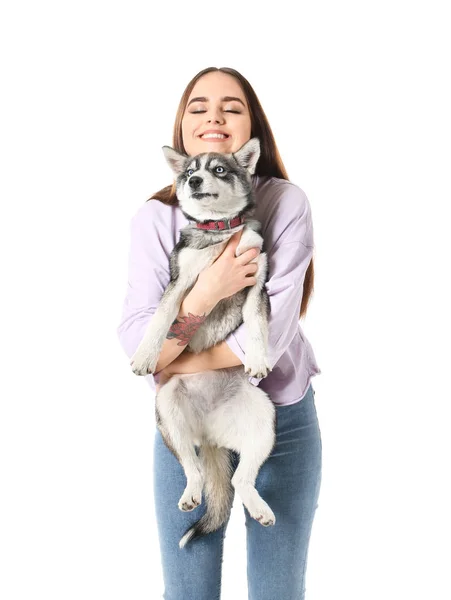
[248, 155]
[176, 160]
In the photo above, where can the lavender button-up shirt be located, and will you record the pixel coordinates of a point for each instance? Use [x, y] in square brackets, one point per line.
[284, 212]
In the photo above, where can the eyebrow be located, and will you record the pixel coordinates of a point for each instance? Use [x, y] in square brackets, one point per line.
[224, 99]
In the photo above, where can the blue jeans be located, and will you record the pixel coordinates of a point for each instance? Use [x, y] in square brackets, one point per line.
[289, 481]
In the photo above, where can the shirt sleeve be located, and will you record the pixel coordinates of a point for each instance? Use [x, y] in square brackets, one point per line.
[148, 277]
[288, 259]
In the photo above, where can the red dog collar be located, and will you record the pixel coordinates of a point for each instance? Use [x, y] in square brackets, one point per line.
[225, 224]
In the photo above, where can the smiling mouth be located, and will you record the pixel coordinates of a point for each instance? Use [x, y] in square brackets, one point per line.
[226, 137]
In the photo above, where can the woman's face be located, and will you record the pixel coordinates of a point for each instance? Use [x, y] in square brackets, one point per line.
[213, 112]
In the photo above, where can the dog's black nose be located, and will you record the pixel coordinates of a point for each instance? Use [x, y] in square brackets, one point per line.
[195, 182]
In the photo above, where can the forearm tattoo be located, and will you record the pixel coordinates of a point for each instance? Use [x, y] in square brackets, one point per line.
[185, 328]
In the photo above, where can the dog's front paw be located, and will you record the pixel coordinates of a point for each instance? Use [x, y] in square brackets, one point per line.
[257, 367]
[144, 361]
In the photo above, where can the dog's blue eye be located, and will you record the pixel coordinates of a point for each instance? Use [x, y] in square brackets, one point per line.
[221, 171]
[188, 172]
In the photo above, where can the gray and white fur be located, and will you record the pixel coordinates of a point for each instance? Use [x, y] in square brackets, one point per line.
[217, 410]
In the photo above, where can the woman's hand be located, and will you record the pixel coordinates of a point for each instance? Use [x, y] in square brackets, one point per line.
[185, 363]
[229, 273]
[165, 376]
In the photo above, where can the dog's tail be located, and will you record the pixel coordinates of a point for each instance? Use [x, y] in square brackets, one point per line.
[218, 491]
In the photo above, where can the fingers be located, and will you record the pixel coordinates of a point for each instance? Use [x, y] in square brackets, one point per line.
[250, 281]
[232, 245]
[251, 268]
[233, 242]
[247, 256]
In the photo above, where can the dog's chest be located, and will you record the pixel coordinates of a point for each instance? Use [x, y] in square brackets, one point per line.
[191, 261]
[225, 317]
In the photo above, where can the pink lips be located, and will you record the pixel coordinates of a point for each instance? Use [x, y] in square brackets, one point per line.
[213, 139]
[227, 136]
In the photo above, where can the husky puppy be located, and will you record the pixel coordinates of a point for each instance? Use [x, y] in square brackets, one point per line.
[218, 410]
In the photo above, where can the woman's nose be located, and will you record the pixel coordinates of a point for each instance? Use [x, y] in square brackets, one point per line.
[214, 116]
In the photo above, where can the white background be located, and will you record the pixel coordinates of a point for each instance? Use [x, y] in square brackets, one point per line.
[358, 97]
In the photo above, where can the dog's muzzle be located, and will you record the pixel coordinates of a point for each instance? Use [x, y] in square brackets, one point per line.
[199, 195]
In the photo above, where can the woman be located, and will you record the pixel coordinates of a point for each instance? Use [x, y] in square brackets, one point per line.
[222, 100]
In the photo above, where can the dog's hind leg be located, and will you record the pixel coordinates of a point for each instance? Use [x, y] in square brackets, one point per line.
[246, 423]
[174, 427]
[254, 452]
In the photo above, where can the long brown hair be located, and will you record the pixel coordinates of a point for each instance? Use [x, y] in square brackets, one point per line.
[269, 164]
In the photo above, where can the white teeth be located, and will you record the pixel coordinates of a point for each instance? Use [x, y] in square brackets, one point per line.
[214, 135]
